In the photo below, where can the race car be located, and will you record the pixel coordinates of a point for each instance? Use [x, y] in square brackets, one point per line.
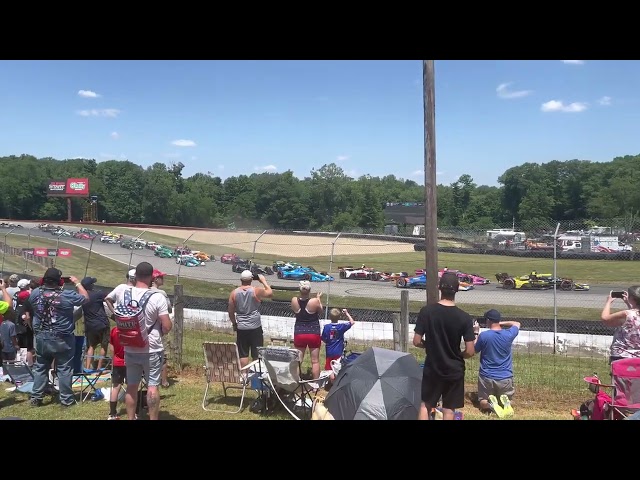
[362, 273]
[228, 258]
[392, 277]
[252, 267]
[539, 281]
[420, 281]
[302, 273]
[163, 252]
[203, 257]
[189, 261]
[472, 278]
[279, 265]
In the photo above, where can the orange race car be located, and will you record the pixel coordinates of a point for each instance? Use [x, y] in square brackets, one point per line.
[203, 257]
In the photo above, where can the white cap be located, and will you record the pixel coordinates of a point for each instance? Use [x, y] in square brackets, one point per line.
[132, 273]
[305, 285]
[24, 283]
[246, 275]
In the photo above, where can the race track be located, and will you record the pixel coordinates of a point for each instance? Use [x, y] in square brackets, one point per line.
[222, 273]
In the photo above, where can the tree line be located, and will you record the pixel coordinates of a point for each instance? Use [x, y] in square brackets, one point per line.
[328, 199]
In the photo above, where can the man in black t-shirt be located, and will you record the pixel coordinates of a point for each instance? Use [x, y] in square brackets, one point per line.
[439, 328]
[96, 323]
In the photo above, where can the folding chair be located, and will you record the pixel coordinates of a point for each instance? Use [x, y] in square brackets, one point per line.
[91, 376]
[222, 364]
[625, 399]
[283, 367]
[20, 374]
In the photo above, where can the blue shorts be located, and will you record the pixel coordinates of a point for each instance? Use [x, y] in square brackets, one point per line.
[147, 364]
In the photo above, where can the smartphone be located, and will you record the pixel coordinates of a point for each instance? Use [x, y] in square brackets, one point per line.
[255, 276]
[617, 294]
[67, 279]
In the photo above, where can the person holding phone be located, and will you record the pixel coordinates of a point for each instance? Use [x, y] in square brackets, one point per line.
[626, 336]
[244, 314]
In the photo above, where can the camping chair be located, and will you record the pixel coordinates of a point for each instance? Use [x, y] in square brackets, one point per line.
[625, 399]
[91, 376]
[20, 374]
[282, 365]
[222, 364]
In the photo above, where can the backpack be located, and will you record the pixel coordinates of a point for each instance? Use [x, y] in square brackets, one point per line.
[127, 317]
[18, 309]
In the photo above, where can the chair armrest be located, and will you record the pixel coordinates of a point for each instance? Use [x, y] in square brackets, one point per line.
[246, 367]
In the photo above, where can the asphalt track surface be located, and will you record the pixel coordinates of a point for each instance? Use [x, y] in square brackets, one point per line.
[221, 273]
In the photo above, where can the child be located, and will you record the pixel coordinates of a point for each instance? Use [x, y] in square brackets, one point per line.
[333, 335]
[9, 339]
[118, 374]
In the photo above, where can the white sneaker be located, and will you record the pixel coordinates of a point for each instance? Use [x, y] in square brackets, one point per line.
[113, 417]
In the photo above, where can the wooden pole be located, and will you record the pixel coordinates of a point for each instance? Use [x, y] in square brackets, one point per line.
[430, 187]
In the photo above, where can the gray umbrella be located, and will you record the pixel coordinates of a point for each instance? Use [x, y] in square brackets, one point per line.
[380, 384]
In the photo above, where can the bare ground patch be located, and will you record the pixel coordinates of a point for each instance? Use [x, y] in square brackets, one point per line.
[290, 245]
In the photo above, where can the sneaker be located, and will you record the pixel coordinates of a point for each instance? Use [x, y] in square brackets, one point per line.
[495, 406]
[35, 402]
[506, 406]
[113, 417]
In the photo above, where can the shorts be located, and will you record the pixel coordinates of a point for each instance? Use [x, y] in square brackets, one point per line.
[25, 340]
[487, 386]
[249, 341]
[96, 337]
[119, 375]
[327, 364]
[451, 391]
[9, 356]
[304, 340]
[147, 364]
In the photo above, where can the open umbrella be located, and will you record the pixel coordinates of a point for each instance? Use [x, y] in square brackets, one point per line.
[380, 384]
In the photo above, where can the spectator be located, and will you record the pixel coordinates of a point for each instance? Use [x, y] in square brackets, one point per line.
[244, 314]
[438, 330]
[8, 336]
[333, 336]
[147, 360]
[13, 285]
[626, 336]
[495, 378]
[52, 308]
[118, 374]
[24, 328]
[306, 330]
[158, 281]
[131, 277]
[96, 323]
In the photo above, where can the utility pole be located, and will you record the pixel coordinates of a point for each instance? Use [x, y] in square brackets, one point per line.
[430, 187]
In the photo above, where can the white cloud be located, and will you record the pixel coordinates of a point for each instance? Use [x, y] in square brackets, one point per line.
[115, 135]
[342, 158]
[605, 101]
[503, 91]
[573, 62]
[104, 112]
[267, 168]
[559, 106]
[88, 94]
[183, 143]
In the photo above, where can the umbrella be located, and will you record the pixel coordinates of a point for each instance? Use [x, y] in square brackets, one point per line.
[380, 384]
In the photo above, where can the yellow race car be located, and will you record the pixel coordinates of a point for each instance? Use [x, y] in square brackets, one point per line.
[538, 281]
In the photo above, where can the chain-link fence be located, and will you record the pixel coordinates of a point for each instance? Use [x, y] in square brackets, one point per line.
[366, 273]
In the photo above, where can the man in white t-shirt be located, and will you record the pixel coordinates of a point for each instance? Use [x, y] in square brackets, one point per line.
[147, 360]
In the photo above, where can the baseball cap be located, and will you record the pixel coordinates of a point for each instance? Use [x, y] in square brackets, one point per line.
[305, 285]
[246, 275]
[23, 284]
[131, 274]
[88, 281]
[157, 273]
[52, 274]
[14, 278]
[492, 315]
[449, 281]
[4, 306]
[144, 270]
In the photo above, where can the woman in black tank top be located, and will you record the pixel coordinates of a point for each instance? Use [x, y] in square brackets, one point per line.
[306, 330]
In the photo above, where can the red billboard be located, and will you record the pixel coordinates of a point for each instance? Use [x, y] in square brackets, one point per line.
[72, 187]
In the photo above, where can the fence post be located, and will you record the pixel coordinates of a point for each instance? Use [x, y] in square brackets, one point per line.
[178, 324]
[86, 268]
[396, 332]
[333, 246]
[4, 250]
[404, 320]
[26, 259]
[132, 244]
[255, 242]
[555, 282]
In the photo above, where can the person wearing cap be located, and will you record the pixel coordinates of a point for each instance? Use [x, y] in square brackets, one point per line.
[156, 283]
[13, 285]
[96, 323]
[306, 330]
[131, 277]
[495, 376]
[244, 314]
[51, 309]
[439, 328]
[22, 320]
[145, 360]
[8, 334]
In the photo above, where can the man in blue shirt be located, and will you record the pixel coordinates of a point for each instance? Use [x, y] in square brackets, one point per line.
[495, 378]
[51, 308]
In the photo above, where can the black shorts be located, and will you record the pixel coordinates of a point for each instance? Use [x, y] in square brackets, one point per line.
[451, 391]
[249, 341]
[25, 340]
[96, 337]
[9, 357]
[118, 375]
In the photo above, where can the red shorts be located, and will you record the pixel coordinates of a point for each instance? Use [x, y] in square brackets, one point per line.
[327, 364]
[304, 340]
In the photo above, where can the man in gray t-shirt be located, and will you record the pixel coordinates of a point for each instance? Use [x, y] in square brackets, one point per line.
[244, 313]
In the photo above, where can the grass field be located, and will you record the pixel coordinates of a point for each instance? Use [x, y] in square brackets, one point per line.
[547, 388]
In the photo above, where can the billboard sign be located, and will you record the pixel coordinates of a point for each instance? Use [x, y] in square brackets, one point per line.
[72, 187]
[47, 252]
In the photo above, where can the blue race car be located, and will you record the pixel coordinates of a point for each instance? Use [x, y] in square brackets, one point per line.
[189, 261]
[303, 273]
[420, 281]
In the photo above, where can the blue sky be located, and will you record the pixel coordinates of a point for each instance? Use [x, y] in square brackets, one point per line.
[240, 117]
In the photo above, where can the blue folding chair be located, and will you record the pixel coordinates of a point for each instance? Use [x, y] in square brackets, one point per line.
[90, 376]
